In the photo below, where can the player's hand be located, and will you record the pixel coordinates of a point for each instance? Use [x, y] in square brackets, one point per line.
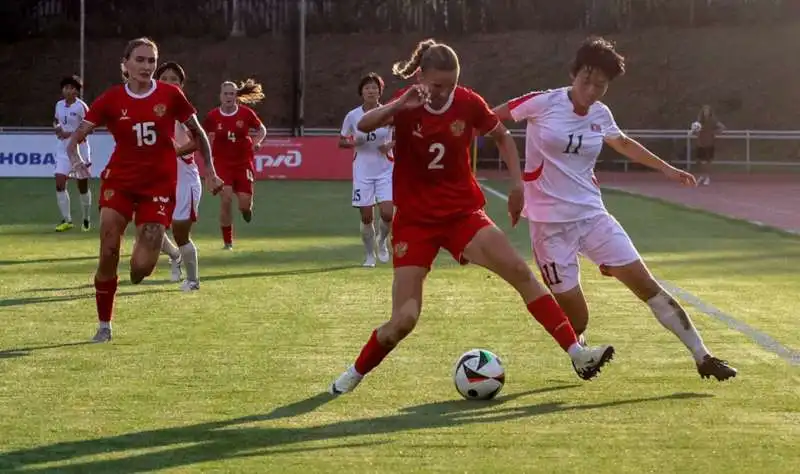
[683, 177]
[516, 201]
[359, 138]
[386, 147]
[214, 183]
[256, 146]
[416, 96]
[81, 170]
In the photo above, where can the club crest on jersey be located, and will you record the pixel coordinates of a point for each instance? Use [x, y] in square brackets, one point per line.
[400, 249]
[108, 194]
[594, 127]
[458, 127]
[239, 123]
[160, 110]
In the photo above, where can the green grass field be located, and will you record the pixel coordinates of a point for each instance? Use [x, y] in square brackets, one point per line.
[229, 379]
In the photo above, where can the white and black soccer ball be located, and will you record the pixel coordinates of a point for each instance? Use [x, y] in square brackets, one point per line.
[479, 375]
[696, 127]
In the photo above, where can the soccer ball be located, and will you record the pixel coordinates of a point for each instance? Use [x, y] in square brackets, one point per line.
[479, 375]
[696, 126]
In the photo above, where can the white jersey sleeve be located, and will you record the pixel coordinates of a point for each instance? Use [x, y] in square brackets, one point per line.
[609, 125]
[348, 127]
[528, 106]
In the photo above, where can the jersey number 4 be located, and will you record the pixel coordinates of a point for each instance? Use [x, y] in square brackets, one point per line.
[574, 148]
[232, 136]
[436, 163]
[145, 133]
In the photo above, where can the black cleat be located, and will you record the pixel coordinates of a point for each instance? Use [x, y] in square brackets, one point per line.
[717, 368]
[247, 215]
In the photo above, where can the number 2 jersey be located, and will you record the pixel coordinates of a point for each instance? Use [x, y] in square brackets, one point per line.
[433, 181]
[143, 126]
[232, 147]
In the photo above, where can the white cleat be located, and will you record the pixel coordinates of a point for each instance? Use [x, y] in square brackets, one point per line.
[103, 335]
[369, 262]
[176, 274]
[589, 360]
[383, 251]
[227, 247]
[346, 382]
[190, 285]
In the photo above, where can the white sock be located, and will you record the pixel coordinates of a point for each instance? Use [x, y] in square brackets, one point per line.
[105, 324]
[86, 204]
[169, 248]
[189, 254]
[383, 230]
[368, 237]
[62, 197]
[673, 317]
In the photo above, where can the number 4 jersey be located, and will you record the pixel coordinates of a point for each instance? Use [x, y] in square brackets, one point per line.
[232, 146]
[433, 181]
[143, 126]
[561, 151]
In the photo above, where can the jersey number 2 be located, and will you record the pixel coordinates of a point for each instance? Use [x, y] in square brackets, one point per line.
[145, 133]
[436, 164]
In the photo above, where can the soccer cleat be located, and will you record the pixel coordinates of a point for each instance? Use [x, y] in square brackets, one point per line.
[717, 368]
[247, 215]
[64, 226]
[346, 382]
[227, 247]
[102, 335]
[383, 251]
[176, 274]
[369, 262]
[189, 286]
[86, 225]
[587, 363]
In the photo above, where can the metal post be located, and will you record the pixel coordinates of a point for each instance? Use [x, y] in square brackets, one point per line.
[81, 66]
[301, 73]
[747, 153]
[237, 31]
[689, 151]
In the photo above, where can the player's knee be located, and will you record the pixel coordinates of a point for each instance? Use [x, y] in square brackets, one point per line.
[517, 270]
[366, 217]
[401, 325]
[139, 273]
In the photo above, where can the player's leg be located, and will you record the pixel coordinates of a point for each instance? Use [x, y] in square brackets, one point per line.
[181, 230]
[152, 219]
[85, 191]
[414, 255]
[364, 201]
[607, 244]
[182, 213]
[62, 171]
[225, 215]
[383, 195]
[116, 210]
[244, 194]
[476, 239]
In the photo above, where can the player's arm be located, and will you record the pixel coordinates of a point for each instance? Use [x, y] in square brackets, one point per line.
[261, 134]
[346, 135]
[383, 116]
[638, 153]
[527, 106]
[79, 164]
[201, 142]
[187, 148]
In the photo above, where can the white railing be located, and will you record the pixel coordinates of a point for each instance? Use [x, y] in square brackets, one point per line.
[749, 136]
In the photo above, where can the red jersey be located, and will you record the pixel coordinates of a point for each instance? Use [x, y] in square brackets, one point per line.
[143, 126]
[232, 146]
[433, 180]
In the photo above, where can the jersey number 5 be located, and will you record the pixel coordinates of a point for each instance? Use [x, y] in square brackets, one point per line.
[436, 164]
[145, 133]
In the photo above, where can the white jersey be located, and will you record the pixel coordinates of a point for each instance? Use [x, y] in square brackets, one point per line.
[187, 168]
[369, 162]
[68, 117]
[561, 150]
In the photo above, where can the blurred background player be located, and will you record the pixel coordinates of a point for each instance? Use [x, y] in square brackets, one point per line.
[187, 194]
[372, 170]
[440, 205]
[566, 130]
[140, 179]
[70, 112]
[707, 127]
[228, 128]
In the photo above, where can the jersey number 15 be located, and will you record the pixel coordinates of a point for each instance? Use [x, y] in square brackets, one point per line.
[145, 133]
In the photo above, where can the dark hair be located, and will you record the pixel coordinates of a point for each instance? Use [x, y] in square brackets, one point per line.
[373, 78]
[710, 119]
[248, 92]
[133, 44]
[74, 81]
[171, 66]
[428, 54]
[599, 53]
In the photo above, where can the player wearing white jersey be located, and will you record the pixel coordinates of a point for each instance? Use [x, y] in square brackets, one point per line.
[187, 195]
[372, 170]
[69, 113]
[566, 130]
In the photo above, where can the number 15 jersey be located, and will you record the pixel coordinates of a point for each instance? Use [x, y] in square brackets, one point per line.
[433, 181]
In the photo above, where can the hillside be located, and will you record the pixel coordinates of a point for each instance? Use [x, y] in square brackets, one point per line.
[748, 74]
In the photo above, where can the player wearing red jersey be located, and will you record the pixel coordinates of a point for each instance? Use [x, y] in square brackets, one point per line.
[566, 131]
[140, 179]
[228, 128]
[440, 205]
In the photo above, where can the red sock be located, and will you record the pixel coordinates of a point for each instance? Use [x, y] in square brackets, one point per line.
[552, 317]
[227, 234]
[371, 355]
[104, 292]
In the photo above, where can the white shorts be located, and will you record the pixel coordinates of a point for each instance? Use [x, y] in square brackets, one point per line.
[556, 246]
[64, 166]
[187, 199]
[368, 191]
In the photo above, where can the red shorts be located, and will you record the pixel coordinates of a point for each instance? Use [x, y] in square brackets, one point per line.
[418, 245]
[241, 179]
[145, 207]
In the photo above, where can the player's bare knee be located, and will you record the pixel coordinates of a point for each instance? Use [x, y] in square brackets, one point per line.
[151, 236]
[180, 232]
[366, 216]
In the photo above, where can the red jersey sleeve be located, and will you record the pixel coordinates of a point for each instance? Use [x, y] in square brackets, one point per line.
[98, 112]
[209, 122]
[252, 119]
[484, 119]
[183, 108]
